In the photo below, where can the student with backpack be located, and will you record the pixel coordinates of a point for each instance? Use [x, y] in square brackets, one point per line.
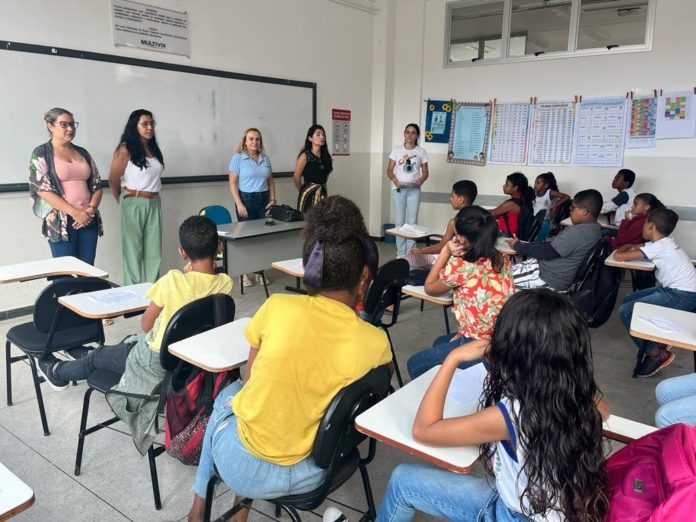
[539, 426]
[555, 264]
[515, 215]
[480, 278]
[304, 350]
[674, 272]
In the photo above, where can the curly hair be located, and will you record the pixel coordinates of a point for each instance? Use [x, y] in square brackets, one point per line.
[545, 366]
[336, 222]
[198, 238]
[131, 139]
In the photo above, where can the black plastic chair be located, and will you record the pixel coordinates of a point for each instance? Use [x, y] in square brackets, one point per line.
[559, 212]
[536, 224]
[221, 216]
[585, 269]
[335, 448]
[385, 291]
[54, 328]
[191, 319]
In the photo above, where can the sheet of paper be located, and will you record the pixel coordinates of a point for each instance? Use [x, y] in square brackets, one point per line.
[662, 323]
[414, 229]
[222, 233]
[116, 298]
[676, 115]
[466, 385]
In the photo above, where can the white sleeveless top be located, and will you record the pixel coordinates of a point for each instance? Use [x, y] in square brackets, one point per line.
[542, 202]
[147, 179]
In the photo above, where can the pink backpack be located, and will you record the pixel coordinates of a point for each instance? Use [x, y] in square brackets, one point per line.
[654, 478]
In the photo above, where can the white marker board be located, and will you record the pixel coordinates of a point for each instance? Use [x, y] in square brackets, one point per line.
[200, 113]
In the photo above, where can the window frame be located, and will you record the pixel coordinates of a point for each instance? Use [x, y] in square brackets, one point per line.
[573, 31]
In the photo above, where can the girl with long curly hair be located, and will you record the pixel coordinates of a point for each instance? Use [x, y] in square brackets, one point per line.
[539, 425]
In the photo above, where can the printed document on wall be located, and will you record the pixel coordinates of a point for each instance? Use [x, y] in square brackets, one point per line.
[468, 141]
[510, 128]
[551, 133]
[600, 132]
[642, 120]
[675, 115]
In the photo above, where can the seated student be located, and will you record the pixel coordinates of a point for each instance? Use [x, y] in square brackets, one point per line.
[631, 227]
[547, 197]
[304, 349]
[463, 194]
[508, 213]
[481, 280]
[140, 363]
[540, 425]
[623, 183]
[555, 264]
[677, 399]
[674, 272]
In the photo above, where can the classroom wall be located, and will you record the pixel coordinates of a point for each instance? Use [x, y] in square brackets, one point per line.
[310, 40]
[668, 170]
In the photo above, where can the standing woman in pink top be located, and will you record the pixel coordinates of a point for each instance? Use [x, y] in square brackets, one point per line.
[65, 190]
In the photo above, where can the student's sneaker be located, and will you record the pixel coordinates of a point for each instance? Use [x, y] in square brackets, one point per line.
[333, 514]
[653, 364]
[247, 280]
[45, 368]
[259, 280]
[78, 352]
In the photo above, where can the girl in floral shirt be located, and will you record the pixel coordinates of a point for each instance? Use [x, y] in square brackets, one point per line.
[481, 281]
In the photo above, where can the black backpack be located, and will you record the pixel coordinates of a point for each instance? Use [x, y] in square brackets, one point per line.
[596, 294]
[525, 221]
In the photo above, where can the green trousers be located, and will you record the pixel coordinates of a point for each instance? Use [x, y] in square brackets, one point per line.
[141, 239]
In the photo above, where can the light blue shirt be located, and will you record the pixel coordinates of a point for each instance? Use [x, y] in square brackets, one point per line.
[252, 177]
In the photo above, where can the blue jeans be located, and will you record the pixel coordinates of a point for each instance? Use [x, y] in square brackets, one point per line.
[669, 297]
[677, 400]
[255, 203]
[245, 474]
[405, 202]
[438, 492]
[422, 361]
[81, 243]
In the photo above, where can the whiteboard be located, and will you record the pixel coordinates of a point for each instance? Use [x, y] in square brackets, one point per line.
[200, 113]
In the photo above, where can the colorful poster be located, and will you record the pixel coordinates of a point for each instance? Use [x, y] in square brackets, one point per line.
[438, 119]
[642, 122]
[600, 132]
[341, 132]
[675, 115]
[551, 133]
[468, 141]
[509, 132]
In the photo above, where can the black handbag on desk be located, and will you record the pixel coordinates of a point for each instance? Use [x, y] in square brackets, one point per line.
[285, 213]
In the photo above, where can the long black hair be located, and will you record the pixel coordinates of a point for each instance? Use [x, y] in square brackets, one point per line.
[481, 230]
[520, 181]
[550, 180]
[541, 359]
[325, 157]
[134, 145]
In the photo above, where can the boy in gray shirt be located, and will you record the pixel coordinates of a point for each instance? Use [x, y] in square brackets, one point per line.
[555, 264]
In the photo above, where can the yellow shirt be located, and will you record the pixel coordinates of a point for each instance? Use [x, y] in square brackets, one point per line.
[309, 349]
[175, 289]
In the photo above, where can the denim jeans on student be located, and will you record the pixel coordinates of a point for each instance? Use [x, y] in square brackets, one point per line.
[255, 203]
[81, 243]
[669, 297]
[677, 400]
[438, 492]
[422, 361]
[245, 474]
[405, 202]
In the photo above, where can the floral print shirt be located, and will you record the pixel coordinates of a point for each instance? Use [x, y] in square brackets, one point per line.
[43, 178]
[479, 294]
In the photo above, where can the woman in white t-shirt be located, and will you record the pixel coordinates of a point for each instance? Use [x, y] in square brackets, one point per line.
[135, 182]
[407, 170]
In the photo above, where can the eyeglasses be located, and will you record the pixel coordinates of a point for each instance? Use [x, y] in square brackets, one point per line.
[148, 124]
[66, 124]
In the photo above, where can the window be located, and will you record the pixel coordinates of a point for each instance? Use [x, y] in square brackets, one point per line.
[494, 31]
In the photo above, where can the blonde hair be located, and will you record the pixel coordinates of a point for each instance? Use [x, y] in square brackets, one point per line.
[241, 146]
[51, 116]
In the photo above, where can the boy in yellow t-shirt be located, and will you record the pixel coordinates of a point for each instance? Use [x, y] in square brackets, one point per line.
[139, 364]
[305, 349]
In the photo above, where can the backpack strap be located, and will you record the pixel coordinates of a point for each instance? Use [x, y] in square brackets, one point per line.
[205, 396]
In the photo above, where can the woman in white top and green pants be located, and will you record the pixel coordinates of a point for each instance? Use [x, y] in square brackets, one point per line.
[135, 182]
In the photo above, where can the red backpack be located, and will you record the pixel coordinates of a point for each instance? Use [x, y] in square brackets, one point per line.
[654, 478]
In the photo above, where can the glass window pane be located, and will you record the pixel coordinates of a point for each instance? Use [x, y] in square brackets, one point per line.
[477, 26]
[612, 22]
[545, 24]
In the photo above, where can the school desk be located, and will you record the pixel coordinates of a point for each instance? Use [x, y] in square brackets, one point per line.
[635, 264]
[112, 302]
[419, 293]
[625, 430]
[251, 246]
[294, 268]
[56, 266]
[502, 246]
[217, 350]
[414, 232]
[15, 495]
[391, 422]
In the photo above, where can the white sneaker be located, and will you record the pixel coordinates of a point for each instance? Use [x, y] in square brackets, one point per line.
[248, 280]
[333, 514]
[259, 280]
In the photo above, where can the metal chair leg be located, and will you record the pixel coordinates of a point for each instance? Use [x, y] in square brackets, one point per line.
[371, 509]
[209, 496]
[241, 284]
[39, 396]
[153, 476]
[265, 285]
[447, 325]
[8, 371]
[396, 362]
[278, 511]
[83, 427]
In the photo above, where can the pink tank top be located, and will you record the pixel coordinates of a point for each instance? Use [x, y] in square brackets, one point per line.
[73, 178]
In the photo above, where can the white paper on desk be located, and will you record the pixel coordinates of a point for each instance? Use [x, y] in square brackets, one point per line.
[297, 266]
[467, 385]
[662, 323]
[414, 229]
[222, 233]
[116, 298]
